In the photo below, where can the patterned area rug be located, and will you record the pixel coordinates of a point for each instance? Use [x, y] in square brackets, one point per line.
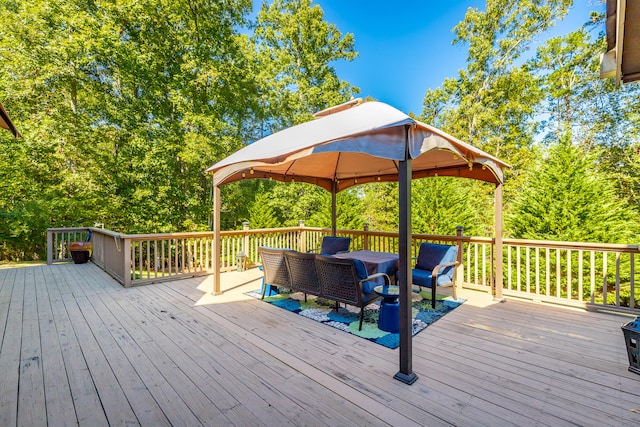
[348, 319]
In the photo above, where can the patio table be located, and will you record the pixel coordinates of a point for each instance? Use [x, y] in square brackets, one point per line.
[376, 262]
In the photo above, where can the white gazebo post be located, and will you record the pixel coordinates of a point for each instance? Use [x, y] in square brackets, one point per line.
[497, 291]
[216, 241]
[334, 217]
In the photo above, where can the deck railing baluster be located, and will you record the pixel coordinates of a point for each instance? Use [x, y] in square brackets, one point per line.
[165, 257]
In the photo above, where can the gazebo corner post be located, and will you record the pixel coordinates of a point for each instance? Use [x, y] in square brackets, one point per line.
[457, 286]
[216, 241]
[334, 202]
[405, 374]
[498, 283]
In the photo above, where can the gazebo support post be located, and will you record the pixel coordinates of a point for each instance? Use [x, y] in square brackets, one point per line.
[405, 374]
[334, 217]
[497, 291]
[216, 241]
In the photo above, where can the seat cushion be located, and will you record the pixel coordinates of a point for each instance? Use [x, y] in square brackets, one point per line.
[361, 269]
[367, 287]
[423, 278]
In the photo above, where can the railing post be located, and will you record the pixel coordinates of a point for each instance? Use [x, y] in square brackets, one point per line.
[245, 238]
[365, 238]
[459, 268]
[302, 236]
[126, 265]
[49, 247]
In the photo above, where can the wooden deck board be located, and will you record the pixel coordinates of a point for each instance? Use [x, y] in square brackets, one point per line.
[88, 409]
[77, 348]
[10, 351]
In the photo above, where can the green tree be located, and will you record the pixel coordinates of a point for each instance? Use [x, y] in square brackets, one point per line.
[567, 198]
[295, 49]
[440, 204]
[261, 214]
[381, 206]
[349, 211]
[589, 111]
[492, 103]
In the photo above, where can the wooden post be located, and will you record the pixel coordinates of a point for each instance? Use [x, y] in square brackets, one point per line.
[334, 220]
[49, 247]
[302, 236]
[405, 374]
[460, 268]
[497, 290]
[365, 238]
[126, 264]
[245, 238]
[216, 241]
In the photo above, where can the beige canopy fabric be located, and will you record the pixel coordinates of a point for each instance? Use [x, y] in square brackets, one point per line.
[355, 143]
[360, 144]
[5, 122]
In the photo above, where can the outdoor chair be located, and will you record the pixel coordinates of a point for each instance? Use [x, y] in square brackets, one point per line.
[334, 245]
[347, 281]
[274, 268]
[302, 272]
[435, 266]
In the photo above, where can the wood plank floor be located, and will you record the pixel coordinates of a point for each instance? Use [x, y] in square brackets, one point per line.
[79, 349]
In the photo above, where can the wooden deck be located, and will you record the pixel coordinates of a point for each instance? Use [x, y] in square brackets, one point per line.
[78, 348]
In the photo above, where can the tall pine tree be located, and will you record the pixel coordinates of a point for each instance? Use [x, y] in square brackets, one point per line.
[566, 198]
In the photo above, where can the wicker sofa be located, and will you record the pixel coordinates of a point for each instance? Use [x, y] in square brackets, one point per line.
[340, 280]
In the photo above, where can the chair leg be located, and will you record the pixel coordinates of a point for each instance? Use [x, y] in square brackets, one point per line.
[264, 287]
[361, 317]
[433, 296]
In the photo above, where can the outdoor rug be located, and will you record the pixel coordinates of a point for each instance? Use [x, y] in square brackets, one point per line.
[348, 319]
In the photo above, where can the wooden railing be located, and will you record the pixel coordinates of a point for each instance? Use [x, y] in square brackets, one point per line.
[587, 275]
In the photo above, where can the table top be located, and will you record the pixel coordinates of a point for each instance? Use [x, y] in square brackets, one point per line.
[387, 290]
[369, 256]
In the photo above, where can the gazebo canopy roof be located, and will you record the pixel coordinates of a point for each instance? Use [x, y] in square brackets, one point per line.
[5, 122]
[355, 143]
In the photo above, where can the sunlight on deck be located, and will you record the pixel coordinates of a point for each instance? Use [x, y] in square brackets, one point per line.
[233, 285]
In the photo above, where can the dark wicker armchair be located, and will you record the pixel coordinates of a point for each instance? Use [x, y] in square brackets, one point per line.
[274, 267]
[346, 280]
[302, 272]
[435, 266]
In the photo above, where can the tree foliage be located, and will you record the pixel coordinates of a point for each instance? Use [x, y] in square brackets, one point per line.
[124, 105]
[566, 198]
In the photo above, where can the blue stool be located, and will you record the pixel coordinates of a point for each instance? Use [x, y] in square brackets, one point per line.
[389, 319]
[271, 290]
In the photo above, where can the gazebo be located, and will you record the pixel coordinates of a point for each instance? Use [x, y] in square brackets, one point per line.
[363, 142]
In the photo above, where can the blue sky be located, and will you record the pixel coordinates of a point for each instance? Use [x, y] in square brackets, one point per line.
[405, 46]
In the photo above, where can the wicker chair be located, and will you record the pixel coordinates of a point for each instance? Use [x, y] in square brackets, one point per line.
[274, 267]
[302, 272]
[435, 266]
[346, 280]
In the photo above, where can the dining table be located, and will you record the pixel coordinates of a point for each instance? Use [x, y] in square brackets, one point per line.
[375, 262]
